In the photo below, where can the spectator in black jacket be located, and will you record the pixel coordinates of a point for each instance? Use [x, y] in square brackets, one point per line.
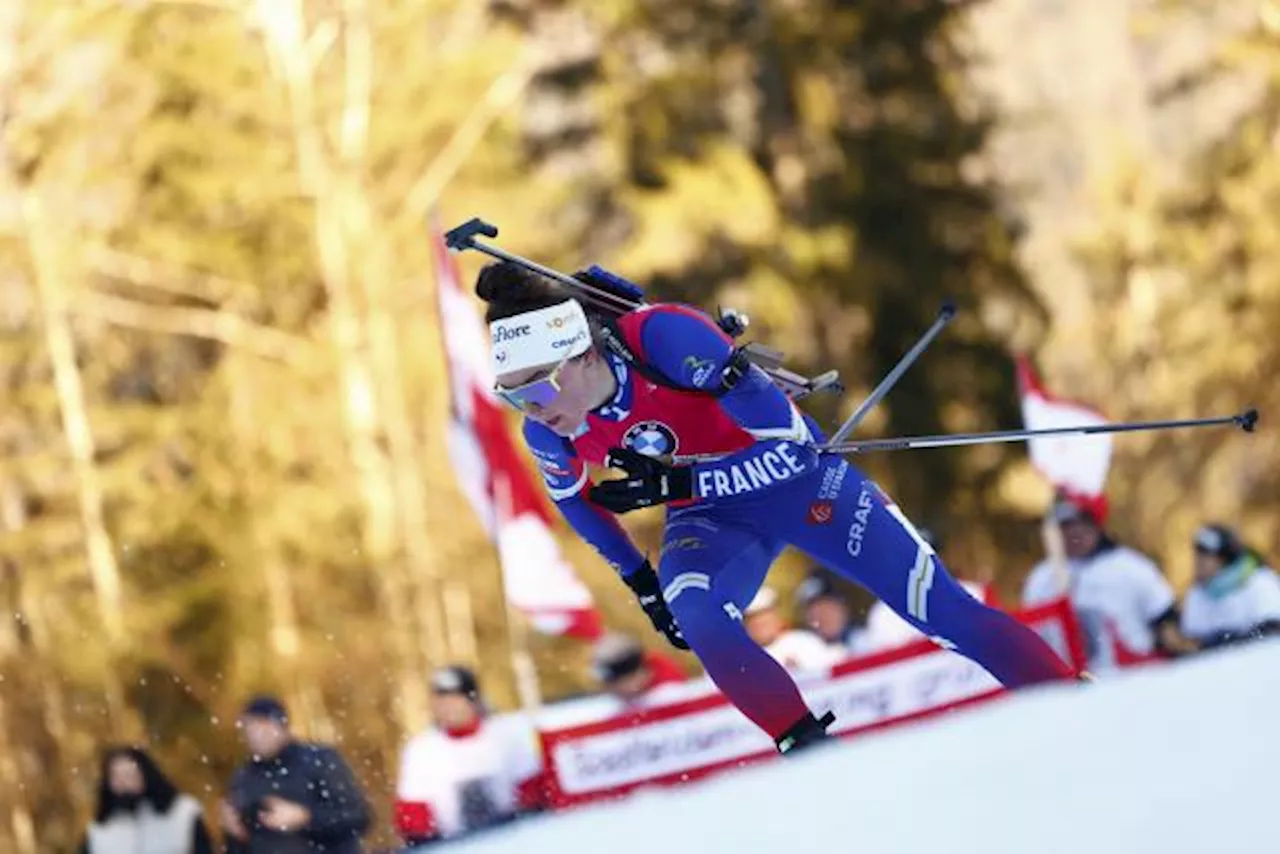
[290, 796]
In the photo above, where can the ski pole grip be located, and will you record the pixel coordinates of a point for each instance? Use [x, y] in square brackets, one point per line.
[464, 236]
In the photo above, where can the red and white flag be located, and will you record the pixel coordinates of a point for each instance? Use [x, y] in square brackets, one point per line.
[1077, 465]
[495, 479]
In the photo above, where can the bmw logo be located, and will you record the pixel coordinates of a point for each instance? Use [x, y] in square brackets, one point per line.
[651, 438]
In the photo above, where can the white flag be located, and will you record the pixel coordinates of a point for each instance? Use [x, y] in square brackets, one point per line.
[1076, 465]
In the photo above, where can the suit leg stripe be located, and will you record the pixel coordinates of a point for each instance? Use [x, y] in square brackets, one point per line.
[919, 582]
[683, 582]
[926, 585]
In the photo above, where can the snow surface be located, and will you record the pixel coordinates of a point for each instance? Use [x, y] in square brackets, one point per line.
[1178, 759]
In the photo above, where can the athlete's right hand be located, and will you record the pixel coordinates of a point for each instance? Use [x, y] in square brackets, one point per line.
[644, 583]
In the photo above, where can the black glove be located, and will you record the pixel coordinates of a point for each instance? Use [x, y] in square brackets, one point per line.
[649, 481]
[644, 582]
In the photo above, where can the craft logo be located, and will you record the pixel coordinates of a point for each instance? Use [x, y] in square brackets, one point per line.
[651, 438]
[861, 517]
[561, 343]
[510, 333]
[500, 356]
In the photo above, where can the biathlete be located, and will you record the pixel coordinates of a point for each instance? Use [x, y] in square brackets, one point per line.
[662, 394]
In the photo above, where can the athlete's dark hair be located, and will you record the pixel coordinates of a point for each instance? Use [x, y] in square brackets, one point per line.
[510, 289]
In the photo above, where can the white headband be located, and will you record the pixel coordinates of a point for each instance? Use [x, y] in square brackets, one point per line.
[543, 337]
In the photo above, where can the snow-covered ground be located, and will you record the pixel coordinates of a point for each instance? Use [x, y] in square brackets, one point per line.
[1175, 760]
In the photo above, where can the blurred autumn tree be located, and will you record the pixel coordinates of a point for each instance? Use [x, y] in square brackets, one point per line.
[223, 462]
[224, 466]
[1188, 274]
[814, 164]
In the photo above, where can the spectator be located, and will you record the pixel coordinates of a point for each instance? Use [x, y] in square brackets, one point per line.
[633, 675]
[139, 810]
[794, 649]
[290, 796]
[1235, 596]
[826, 613]
[1118, 594]
[470, 770]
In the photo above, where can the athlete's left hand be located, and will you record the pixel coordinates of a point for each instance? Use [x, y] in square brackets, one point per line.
[648, 482]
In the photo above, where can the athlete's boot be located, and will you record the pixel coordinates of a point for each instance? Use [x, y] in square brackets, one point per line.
[806, 732]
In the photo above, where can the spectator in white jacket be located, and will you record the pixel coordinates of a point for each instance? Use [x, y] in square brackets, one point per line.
[795, 649]
[1118, 593]
[1235, 597]
[471, 770]
[140, 811]
[826, 613]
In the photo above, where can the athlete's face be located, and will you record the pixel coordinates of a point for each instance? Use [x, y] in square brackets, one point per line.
[560, 395]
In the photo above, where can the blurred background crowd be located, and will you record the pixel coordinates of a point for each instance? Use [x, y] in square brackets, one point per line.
[230, 519]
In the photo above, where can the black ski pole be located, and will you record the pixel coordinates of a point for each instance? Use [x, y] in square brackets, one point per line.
[1245, 420]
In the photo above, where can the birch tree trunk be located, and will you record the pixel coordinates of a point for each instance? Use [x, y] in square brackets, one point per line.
[47, 256]
[284, 634]
[377, 279]
[333, 188]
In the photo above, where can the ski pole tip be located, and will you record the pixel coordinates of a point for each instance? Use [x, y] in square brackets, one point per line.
[947, 311]
[1248, 419]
